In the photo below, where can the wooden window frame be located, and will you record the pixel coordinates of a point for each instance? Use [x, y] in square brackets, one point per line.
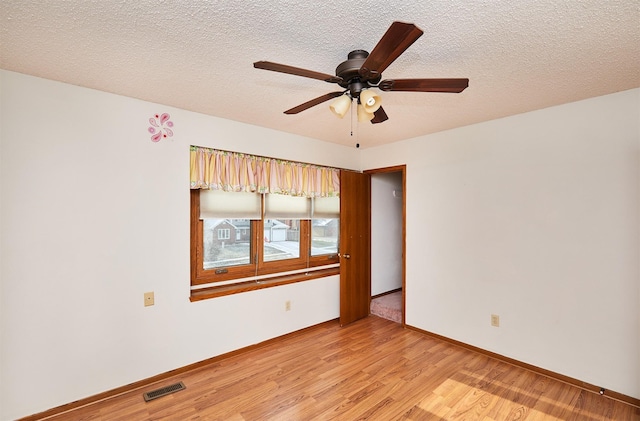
[256, 267]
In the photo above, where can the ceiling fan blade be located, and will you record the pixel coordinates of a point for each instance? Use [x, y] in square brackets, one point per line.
[314, 102]
[394, 42]
[424, 85]
[283, 68]
[379, 116]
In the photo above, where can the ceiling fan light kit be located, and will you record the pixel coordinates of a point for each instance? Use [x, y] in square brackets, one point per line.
[370, 100]
[362, 71]
[341, 105]
[363, 114]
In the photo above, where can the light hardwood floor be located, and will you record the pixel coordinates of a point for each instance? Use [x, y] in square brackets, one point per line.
[372, 370]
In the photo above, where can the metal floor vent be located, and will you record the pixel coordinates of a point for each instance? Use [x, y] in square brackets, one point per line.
[158, 393]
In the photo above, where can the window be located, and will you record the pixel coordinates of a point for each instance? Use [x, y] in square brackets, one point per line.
[325, 225]
[324, 236]
[281, 239]
[262, 245]
[260, 218]
[220, 253]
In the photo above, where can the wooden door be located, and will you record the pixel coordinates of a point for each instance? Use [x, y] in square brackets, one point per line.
[355, 246]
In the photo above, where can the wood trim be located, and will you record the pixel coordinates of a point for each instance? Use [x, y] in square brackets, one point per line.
[222, 290]
[396, 168]
[548, 373]
[59, 410]
[404, 243]
[194, 204]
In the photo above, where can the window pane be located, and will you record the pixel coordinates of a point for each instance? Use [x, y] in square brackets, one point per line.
[226, 242]
[281, 239]
[324, 236]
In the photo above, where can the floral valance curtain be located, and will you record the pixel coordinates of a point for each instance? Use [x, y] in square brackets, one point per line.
[231, 171]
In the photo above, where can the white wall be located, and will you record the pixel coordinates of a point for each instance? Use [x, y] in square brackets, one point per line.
[93, 214]
[534, 218]
[386, 230]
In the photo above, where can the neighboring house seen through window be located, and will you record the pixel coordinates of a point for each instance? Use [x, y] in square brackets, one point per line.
[224, 233]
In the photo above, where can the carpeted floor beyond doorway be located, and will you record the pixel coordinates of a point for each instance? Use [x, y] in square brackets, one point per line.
[388, 306]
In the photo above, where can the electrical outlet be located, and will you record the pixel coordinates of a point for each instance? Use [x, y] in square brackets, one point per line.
[287, 305]
[495, 320]
[148, 299]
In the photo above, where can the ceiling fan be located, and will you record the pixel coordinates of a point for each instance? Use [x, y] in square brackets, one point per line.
[362, 71]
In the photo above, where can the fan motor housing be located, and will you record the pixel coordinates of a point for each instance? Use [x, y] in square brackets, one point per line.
[349, 71]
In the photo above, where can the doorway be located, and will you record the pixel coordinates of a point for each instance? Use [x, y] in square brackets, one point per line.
[387, 243]
[356, 246]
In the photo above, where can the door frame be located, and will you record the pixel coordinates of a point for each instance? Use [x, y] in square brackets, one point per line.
[401, 169]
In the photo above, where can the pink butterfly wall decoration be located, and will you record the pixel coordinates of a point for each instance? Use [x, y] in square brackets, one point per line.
[160, 127]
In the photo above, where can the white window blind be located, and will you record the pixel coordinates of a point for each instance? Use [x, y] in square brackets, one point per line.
[280, 206]
[222, 204]
[326, 207]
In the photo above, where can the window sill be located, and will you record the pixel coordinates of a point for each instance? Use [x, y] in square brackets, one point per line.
[229, 289]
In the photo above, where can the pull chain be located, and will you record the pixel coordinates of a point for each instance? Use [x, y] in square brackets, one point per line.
[351, 118]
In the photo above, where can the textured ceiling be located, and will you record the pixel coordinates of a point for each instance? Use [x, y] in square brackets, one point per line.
[196, 55]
